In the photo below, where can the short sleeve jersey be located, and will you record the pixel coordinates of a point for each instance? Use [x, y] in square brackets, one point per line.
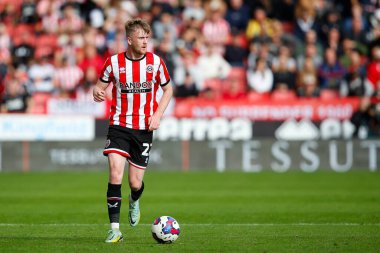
[134, 94]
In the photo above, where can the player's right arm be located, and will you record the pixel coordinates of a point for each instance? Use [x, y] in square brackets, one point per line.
[99, 92]
[106, 76]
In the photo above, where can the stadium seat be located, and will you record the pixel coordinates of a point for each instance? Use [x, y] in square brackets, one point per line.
[47, 40]
[283, 95]
[255, 96]
[214, 84]
[39, 102]
[22, 29]
[327, 94]
[239, 74]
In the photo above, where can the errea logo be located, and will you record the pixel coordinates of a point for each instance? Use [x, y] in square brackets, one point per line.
[122, 70]
[149, 68]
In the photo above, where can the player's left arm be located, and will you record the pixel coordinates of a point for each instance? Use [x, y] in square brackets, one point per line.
[154, 121]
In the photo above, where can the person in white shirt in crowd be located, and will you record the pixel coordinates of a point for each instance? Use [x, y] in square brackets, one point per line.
[213, 63]
[260, 79]
[41, 75]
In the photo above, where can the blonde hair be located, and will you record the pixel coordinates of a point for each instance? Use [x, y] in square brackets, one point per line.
[132, 25]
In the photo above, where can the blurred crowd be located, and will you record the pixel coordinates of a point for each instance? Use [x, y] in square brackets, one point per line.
[231, 49]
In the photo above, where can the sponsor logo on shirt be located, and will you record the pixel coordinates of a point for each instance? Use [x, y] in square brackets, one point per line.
[136, 87]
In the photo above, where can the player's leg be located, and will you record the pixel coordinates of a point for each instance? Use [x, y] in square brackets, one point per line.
[136, 183]
[116, 172]
[138, 161]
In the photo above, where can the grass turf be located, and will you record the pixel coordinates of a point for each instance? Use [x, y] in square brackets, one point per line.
[218, 212]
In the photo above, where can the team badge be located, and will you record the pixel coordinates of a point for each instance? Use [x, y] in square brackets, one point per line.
[122, 70]
[149, 68]
[108, 143]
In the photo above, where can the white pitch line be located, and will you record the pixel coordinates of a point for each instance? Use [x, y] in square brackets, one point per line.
[194, 224]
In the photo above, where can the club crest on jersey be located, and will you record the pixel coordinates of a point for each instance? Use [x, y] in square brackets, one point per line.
[149, 68]
[136, 87]
[122, 70]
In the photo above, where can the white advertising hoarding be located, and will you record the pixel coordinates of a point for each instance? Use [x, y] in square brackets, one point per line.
[46, 128]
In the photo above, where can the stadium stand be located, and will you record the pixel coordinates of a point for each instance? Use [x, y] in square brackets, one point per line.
[81, 33]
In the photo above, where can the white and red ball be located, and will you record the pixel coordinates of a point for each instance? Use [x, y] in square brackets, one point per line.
[165, 229]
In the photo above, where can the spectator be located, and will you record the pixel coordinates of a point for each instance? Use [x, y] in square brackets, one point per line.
[311, 37]
[193, 11]
[284, 69]
[28, 12]
[333, 41]
[91, 59]
[67, 78]
[366, 119]
[92, 11]
[331, 20]
[280, 38]
[165, 28]
[41, 75]
[373, 69]
[331, 72]
[374, 33]
[70, 45]
[235, 54]
[260, 79]
[95, 38]
[355, 82]
[357, 33]
[5, 61]
[347, 46]
[216, 66]
[84, 91]
[284, 10]
[233, 91]
[23, 51]
[71, 21]
[187, 66]
[307, 82]
[166, 51]
[9, 15]
[186, 89]
[259, 51]
[356, 16]
[49, 13]
[191, 40]
[259, 24]
[237, 15]
[216, 30]
[16, 98]
[5, 39]
[305, 19]
[310, 52]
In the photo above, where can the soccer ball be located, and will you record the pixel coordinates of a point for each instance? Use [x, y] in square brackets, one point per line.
[165, 229]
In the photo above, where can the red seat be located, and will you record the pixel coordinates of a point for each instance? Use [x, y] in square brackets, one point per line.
[283, 95]
[239, 74]
[47, 40]
[39, 102]
[255, 96]
[327, 94]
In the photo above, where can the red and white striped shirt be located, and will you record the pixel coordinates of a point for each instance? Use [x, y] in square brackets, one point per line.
[134, 94]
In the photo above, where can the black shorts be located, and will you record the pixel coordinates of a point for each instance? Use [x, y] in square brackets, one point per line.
[130, 143]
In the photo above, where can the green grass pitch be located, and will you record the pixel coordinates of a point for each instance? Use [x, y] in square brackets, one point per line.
[218, 212]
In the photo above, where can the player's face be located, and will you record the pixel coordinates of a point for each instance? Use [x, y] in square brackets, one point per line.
[138, 42]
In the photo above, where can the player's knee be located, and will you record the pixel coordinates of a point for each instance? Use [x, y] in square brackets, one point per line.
[135, 184]
[116, 176]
